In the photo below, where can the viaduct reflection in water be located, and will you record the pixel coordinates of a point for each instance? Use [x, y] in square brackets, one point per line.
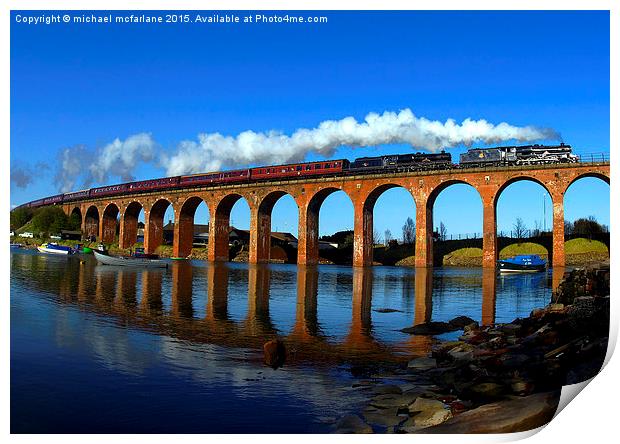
[136, 297]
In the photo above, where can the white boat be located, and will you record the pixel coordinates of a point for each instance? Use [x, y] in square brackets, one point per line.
[106, 259]
[55, 249]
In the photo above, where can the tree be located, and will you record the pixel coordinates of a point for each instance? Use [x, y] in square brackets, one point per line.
[20, 217]
[587, 226]
[49, 220]
[409, 231]
[568, 227]
[519, 228]
[443, 231]
[376, 237]
[387, 237]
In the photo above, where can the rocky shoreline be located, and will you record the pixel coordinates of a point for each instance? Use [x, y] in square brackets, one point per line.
[494, 379]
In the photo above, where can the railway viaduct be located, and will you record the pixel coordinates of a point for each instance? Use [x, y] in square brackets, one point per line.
[100, 216]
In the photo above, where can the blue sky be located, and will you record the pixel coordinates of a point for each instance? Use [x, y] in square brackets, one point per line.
[87, 85]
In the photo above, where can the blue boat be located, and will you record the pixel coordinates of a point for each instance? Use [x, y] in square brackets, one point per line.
[523, 263]
[54, 248]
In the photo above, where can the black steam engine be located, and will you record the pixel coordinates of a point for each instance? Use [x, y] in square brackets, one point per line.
[402, 162]
[517, 155]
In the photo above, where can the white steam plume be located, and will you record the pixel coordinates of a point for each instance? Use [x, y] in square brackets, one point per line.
[118, 158]
[121, 157]
[214, 151]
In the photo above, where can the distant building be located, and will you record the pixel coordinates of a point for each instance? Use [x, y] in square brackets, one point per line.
[70, 235]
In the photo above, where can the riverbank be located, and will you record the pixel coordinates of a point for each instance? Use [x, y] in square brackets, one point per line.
[494, 379]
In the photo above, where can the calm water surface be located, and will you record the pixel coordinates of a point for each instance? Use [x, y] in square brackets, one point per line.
[106, 349]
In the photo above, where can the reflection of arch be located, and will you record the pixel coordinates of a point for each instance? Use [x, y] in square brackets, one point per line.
[109, 223]
[364, 231]
[306, 319]
[217, 291]
[154, 228]
[219, 227]
[489, 290]
[151, 300]
[126, 299]
[129, 225]
[308, 245]
[261, 228]
[258, 319]
[91, 222]
[182, 281]
[184, 227]
[424, 221]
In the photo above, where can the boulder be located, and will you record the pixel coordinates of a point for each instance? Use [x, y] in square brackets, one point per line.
[515, 415]
[352, 424]
[393, 401]
[427, 413]
[429, 328]
[422, 363]
[387, 389]
[461, 322]
[275, 353]
[383, 417]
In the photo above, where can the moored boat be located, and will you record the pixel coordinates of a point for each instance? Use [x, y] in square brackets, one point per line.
[54, 248]
[523, 263]
[131, 261]
[15, 246]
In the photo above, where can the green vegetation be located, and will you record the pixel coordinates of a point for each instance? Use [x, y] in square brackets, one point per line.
[464, 257]
[582, 245]
[523, 248]
[20, 217]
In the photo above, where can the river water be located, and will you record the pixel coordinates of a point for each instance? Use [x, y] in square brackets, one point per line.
[119, 350]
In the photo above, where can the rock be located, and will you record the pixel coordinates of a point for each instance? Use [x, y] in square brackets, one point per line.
[463, 352]
[429, 328]
[471, 327]
[461, 321]
[275, 353]
[384, 417]
[425, 404]
[352, 424]
[509, 329]
[515, 415]
[555, 307]
[537, 312]
[428, 412]
[387, 389]
[426, 419]
[521, 388]
[486, 390]
[387, 310]
[393, 401]
[513, 360]
[422, 363]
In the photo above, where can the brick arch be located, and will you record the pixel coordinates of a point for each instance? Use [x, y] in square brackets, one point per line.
[91, 221]
[184, 225]
[219, 225]
[260, 231]
[425, 202]
[109, 218]
[308, 243]
[520, 178]
[596, 174]
[129, 223]
[154, 224]
[364, 223]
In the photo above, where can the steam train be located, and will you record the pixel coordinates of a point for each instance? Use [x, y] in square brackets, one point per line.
[475, 157]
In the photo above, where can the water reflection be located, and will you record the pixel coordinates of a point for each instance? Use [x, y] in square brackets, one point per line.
[489, 296]
[315, 303]
[217, 288]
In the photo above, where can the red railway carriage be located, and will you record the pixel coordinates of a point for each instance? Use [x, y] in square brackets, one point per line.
[53, 200]
[153, 184]
[215, 178]
[300, 169]
[75, 195]
[36, 203]
[110, 190]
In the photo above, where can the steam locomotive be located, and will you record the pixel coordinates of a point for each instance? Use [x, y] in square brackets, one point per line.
[475, 157]
[517, 155]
